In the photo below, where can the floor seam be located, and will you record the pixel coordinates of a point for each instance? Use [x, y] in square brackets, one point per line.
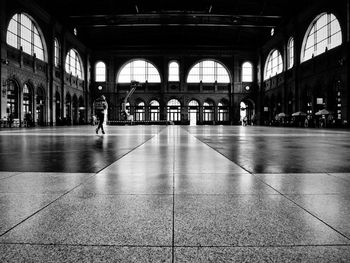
[217, 151]
[307, 211]
[177, 246]
[173, 219]
[69, 191]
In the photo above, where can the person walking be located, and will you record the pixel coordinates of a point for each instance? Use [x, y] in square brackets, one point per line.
[100, 107]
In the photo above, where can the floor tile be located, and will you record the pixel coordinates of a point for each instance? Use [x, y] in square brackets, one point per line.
[140, 168]
[114, 183]
[16, 207]
[332, 209]
[306, 183]
[42, 183]
[100, 220]
[207, 183]
[72, 254]
[345, 176]
[4, 175]
[320, 254]
[247, 220]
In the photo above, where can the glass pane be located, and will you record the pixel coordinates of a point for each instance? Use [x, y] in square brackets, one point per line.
[223, 79]
[336, 40]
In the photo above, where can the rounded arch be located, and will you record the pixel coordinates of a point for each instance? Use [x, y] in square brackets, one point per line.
[193, 103]
[68, 104]
[193, 111]
[173, 110]
[173, 70]
[323, 33]
[140, 70]
[75, 99]
[290, 53]
[247, 71]
[100, 71]
[273, 64]
[247, 111]
[154, 102]
[140, 110]
[12, 92]
[27, 101]
[74, 63]
[223, 110]
[68, 97]
[154, 110]
[218, 72]
[208, 110]
[23, 31]
[40, 105]
[81, 101]
[209, 102]
[223, 102]
[173, 102]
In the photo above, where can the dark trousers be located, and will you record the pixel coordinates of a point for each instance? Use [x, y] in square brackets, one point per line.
[101, 119]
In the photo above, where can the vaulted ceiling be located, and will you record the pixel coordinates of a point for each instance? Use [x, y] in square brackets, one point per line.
[113, 23]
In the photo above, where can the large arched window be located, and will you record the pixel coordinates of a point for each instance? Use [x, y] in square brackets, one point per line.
[23, 32]
[57, 53]
[273, 65]
[208, 71]
[74, 64]
[324, 33]
[247, 72]
[174, 71]
[100, 71]
[290, 53]
[139, 70]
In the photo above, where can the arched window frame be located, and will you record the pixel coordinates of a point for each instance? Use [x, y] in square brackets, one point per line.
[290, 53]
[174, 110]
[313, 47]
[73, 64]
[100, 71]
[23, 31]
[217, 72]
[154, 110]
[247, 72]
[57, 53]
[273, 64]
[174, 71]
[140, 111]
[148, 73]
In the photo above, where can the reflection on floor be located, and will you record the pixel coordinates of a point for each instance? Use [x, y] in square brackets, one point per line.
[174, 194]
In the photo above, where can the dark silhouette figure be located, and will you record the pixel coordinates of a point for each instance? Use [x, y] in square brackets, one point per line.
[100, 107]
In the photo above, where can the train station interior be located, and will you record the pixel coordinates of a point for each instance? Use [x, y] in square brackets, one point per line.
[226, 131]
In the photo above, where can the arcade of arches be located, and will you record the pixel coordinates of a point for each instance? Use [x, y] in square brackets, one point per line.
[286, 78]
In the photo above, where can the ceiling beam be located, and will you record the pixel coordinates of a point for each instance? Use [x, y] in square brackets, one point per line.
[148, 20]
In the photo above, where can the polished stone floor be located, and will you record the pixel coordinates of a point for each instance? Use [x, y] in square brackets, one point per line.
[174, 194]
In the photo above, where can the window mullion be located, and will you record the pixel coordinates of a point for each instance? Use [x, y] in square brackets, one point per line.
[32, 38]
[328, 30]
[19, 31]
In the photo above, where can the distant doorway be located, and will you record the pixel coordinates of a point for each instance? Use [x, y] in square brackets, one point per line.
[247, 112]
[193, 112]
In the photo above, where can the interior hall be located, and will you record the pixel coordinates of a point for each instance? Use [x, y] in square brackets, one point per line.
[174, 131]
